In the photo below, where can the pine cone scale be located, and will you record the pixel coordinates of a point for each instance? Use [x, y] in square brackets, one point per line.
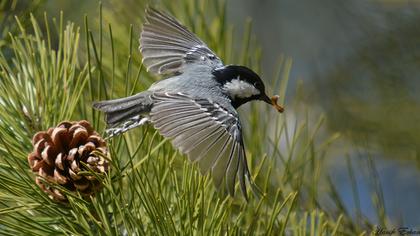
[59, 177]
[48, 155]
[74, 176]
[59, 161]
[82, 184]
[59, 138]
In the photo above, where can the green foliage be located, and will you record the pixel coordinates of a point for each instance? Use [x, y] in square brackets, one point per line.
[11, 8]
[152, 189]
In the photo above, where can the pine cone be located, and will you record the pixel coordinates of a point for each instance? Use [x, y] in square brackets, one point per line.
[64, 154]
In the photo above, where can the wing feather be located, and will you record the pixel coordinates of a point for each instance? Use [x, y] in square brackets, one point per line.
[208, 133]
[242, 172]
[232, 170]
[219, 168]
[181, 117]
[201, 148]
[206, 161]
[184, 138]
[167, 45]
[201, 126]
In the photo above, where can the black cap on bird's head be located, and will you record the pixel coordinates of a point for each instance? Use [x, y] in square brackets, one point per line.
[243, 85]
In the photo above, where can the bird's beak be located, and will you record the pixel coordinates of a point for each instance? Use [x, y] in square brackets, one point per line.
[273, 101]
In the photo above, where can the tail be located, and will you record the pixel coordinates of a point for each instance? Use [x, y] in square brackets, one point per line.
[125, 113]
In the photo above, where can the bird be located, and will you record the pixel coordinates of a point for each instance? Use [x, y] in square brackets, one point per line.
[195, 104]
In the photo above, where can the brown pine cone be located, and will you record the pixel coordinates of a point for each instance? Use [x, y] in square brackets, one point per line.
[64, 154]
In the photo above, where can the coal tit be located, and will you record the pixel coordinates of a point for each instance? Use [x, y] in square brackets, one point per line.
[195, 106]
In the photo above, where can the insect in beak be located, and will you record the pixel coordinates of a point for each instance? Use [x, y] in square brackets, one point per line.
[273, 101]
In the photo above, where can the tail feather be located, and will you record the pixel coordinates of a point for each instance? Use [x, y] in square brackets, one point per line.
[119, 104]
[128, 124]
[116, 117]
[125, 113]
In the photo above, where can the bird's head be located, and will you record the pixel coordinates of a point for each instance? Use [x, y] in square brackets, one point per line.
[242, 85]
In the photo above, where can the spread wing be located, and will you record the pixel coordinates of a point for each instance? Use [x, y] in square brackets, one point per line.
[167, 45]
[209, 134]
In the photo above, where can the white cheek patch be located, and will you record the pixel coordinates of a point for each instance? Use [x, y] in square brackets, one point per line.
[240, 89]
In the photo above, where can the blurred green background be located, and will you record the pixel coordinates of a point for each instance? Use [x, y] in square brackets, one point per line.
[360, 64]
[357, 62]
